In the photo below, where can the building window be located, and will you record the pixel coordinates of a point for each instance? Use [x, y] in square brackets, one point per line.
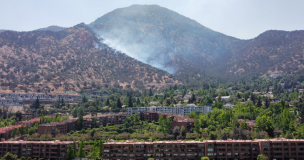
[210, 149]
[265, 144]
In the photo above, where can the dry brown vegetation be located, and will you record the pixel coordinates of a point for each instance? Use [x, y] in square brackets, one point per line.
[64, 60]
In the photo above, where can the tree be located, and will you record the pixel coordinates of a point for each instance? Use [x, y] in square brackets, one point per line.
[9, 156]
[301, 108]
[74, 112]
[22, 158]
[259, 103]
[192, 99]
[17, 132]
[212, 136]
[70, 154]
[80, 111]
[183, 131]
[74, 149]
[136, 118]
[252, 98]
[81, 151]
[92, 109]
[130, 101]
[57, 118]
[197, 126]
[267, 102]
[36, 104]
[94, 151]
[244, 125]
[84, 99]
[118, 103]
[62, 102]
[26, 129]
[150, 92]
[107, 102]
[168, 125]
[13, 133]
[100, 148]
[95, 124]
[265, 123]
[80, 123]
[238, 96]
[161, 122]
[262, 157]
[18, 116]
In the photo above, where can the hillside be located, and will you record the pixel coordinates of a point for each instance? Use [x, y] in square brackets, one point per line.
[168, 40]
[179, 45]
[68, 58]
[139, 46]
[271, 52]
[52, 28]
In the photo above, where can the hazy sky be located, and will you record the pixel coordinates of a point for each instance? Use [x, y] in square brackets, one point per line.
[243, 19]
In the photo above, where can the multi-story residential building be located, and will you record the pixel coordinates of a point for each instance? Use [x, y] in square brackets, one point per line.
[36, 149]
[17, 99]
[177, 120]
[250, 123]
[5, 132]
[29, 122]
[279, 149]
[179, 110]
[105, 119]
[58, 127]
[72, 124]
[183, 121]
[30, 115]
[153, 116]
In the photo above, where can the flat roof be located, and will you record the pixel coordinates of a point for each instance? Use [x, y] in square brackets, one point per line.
[38, 142]
[210, 141]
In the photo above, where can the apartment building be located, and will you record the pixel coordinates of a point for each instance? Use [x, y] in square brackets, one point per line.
[72, 124]
[177, 120]
[30, 115]
[17, 99]
[250, 123]
[29, 122]
[279, 149]
[183, 121]
[179, 110]
[58, 127]
[105, 119]
[5, 132]
[49, 150]
[153, 116]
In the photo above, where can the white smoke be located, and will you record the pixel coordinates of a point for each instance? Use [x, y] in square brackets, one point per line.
[139, 51]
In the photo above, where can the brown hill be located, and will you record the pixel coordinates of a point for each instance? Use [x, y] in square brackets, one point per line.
[271, 52]
[69, 57]
[167, 39]
[194, 52]
[52, 28]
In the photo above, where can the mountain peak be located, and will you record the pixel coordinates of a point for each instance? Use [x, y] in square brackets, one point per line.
[162, 38]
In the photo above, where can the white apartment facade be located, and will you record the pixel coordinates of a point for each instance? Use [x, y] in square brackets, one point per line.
[179, 110]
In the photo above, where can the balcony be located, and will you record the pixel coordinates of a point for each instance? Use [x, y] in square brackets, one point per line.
[53, 146]
[221, 155]
[54, 155]
[36, 151]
